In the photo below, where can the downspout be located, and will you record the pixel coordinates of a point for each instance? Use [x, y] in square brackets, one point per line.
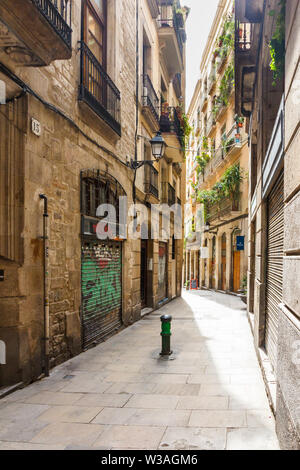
[136, 98]
[46, 286]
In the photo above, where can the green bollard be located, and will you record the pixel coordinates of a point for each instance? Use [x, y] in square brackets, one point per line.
[166, 335]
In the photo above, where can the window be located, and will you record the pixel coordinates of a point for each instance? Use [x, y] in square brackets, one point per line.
[97, 89]
[95, 20]
[173, 247]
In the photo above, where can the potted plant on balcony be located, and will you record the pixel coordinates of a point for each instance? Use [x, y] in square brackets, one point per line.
[180, 17]
[239, 120]
[232, 179]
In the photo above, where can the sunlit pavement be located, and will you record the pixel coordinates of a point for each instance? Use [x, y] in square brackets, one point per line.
[121, 395]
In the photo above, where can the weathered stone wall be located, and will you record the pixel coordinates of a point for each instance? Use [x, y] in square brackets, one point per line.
[285, 399]
[52, 165]
[288, 400]
[72, 138]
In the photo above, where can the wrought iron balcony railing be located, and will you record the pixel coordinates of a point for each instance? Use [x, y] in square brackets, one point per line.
[59, 14]
[211, 122]
[243, 36]
[177, 85]
[169, 122]
[150, 97]
[168, 194]
[222, 208]
[171, 21]
[151, 180]
[211, 79]
[98, 90]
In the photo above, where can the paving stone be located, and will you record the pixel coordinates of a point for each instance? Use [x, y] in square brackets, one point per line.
[111, 398]
[69, 433]
[53, 398]
[103, 400]
[218, 418]
[252, 439]
[203, 403]
[131, 437]
[147, 417]
[70, 414]
[153, 401]
[15, 412]
[209, 379]
[81, 385]
[176, 389]
[182, 438]
[130, 388]
[260, 418]
[168, 378]
[22, 430]
[28, 446]
[114, 416]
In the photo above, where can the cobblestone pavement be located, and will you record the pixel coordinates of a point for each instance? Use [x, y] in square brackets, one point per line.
[121, 395]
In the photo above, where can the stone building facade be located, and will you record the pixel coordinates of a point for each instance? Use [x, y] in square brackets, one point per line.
[270, 102]
[216, 230]
[69, 129]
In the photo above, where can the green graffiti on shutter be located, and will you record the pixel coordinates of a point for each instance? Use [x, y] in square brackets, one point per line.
[101, 280]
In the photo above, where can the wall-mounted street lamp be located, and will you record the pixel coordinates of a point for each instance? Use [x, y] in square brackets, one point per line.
[158, 147]
[208, 229]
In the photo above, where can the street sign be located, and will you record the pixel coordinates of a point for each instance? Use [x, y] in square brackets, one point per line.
[240, 243]
[194, 284]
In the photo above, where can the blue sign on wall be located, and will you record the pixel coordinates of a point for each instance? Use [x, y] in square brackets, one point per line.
[240, 243]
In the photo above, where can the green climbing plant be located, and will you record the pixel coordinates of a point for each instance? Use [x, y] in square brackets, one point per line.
[204, 157]
[277, 43]
[227, 187]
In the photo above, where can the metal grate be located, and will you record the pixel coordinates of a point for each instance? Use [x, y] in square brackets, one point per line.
[274, 278]
[150, 97]
[98, 187]
[151, 180]
[101, 282]
[98, 90]
[59, 14]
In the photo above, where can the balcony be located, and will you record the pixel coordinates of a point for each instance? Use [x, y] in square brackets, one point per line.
[168, 194]
[35, 32]
[150, 102]
[211, 80]
[170, 126]
[211, 122]
[204, 98]
[247, 34]
[234, 140]
[177, 85]
[171, 38]
[151, 180]
[98, 91]
[217, 158]
[222, 209]
[154, 8]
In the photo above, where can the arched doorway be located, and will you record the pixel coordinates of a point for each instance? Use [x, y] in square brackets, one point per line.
[223, 262]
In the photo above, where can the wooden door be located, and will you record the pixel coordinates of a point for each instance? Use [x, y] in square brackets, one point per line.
[223, 263]
[236, 270]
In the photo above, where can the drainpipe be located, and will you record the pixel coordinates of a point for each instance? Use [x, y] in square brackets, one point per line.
[46, 287]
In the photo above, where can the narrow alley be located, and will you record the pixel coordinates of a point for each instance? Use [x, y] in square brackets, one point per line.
[122, 395]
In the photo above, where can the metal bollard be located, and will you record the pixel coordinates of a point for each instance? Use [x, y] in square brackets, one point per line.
[166, 335]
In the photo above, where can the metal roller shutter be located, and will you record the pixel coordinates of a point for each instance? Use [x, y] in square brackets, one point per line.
[274, 277]
[101, 282]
